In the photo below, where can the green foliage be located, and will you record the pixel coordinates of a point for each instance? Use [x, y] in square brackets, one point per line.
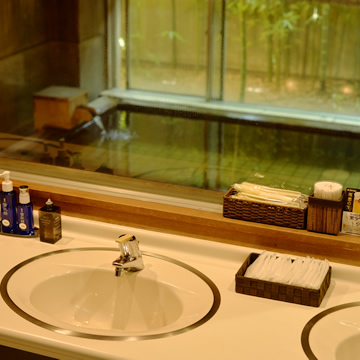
[253, 6]
[283, 22]
[153, 58]
[172, 35]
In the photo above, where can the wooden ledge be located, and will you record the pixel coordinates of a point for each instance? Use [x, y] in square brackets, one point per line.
[196, 223]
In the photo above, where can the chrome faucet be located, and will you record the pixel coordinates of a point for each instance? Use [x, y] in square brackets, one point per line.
[130, 258]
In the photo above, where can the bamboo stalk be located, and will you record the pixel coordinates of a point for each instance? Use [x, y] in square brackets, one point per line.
[244, 54]
[270, 44]
[306, 45]
[345, 20]
[324, 46]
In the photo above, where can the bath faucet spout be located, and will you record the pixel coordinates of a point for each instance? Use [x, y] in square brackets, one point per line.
[130, 259]
[118, 272]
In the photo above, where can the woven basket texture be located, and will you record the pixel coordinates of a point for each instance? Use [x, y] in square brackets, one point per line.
[263, 213]
[277, 291]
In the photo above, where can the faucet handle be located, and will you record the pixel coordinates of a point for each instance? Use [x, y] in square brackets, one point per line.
[129, 247]
[124, 238]
[130, 258]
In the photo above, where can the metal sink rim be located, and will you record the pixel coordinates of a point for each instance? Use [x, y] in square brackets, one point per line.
[4, 293]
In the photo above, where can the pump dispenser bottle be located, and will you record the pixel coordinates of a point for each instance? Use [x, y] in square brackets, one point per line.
[25, 217]
[50, 223]
[8, 205]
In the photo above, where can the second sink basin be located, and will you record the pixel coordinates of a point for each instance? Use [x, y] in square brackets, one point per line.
[334, 334]
[76, 292]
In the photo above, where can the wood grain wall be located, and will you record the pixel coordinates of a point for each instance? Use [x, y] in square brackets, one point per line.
[43, 43]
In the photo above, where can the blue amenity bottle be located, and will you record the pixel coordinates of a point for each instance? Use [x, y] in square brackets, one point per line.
[8, 205]
[25, 217]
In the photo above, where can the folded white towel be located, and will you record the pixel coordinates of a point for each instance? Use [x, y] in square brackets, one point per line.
[304, 272]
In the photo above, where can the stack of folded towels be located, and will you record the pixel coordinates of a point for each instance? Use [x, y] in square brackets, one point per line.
[304, 272]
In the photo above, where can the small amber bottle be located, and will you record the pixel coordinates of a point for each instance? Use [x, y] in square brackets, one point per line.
[50, 223]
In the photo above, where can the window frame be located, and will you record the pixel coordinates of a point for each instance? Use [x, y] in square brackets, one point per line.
[211, 104]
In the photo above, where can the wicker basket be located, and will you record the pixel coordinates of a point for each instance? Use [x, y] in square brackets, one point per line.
[263, 213]
[277, 291]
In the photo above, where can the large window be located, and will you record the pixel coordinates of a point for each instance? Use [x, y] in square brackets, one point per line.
[276, 55]
[208, 92]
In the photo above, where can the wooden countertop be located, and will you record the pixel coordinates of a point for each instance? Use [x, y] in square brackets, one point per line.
[342, 248]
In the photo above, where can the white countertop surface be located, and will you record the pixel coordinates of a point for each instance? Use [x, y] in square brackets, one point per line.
[244, 327]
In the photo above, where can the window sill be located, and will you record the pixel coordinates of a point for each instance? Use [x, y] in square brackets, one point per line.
[198, 107]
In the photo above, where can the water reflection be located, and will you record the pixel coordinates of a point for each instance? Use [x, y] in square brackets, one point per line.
[201, 153]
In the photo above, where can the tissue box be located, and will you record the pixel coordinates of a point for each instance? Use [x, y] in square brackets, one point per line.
[263, 213]
[277, 291]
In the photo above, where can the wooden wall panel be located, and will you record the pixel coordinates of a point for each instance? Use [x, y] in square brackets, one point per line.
[62, 20]
[41, 46]
[23, 25]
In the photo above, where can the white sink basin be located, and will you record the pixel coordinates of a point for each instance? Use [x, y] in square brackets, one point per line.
[334, 334]
[76, 292]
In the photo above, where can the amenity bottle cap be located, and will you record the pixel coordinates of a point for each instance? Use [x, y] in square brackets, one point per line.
[24, 196]
[7, 185]
[49, 205]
